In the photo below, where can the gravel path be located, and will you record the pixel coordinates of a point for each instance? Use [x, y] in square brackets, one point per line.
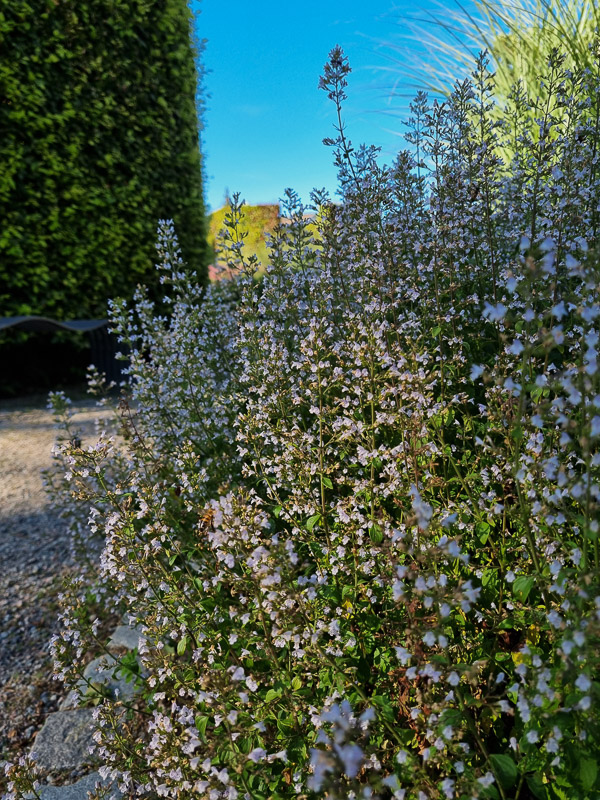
[34, 559]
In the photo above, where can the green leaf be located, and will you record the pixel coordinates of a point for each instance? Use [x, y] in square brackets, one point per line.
[588, 772]
[537, 787]
[375, 534]
[559, 794]
[590, 534]
[285, 726]
[201, 723]
[506, 625]
[348, 591]
[296, 684]
[129, 666]
[181, 646]
[489, 577]
[277, 511]
[517, 433]
[522, 586]
[452, 716]
[385, 709]
[505, 769]
[490, 792]
[312, 521]
[327, 482]
[272, 694]
[296, 748]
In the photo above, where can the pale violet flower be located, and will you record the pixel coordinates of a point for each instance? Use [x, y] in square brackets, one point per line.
[559, 310]
[257, 754]
[351, 756]
[578, 636]
[487, 779]
[583, 683]
[423, 511]
[567, 646]
[555, 619]
[547, 245]
[494, 313]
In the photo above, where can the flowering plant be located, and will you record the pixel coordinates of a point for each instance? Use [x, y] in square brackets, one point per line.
[358, 515]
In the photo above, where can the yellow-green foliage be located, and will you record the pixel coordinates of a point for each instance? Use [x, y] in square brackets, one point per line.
[257, 222]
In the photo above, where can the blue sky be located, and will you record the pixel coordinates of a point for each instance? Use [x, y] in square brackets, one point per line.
[265, 118]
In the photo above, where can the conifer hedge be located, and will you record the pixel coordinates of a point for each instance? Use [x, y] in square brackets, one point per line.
[99, 122]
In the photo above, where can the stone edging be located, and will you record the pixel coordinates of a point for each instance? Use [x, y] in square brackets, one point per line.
[65, 740]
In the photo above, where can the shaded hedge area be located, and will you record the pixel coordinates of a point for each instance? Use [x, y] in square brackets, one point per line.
[36, 363]
[99, 140]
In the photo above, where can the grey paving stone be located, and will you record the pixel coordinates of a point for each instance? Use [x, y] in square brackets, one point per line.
[70, 701]
[65, 739]
[101, 670]
[125, 636]
[101, 666]
[77, 791]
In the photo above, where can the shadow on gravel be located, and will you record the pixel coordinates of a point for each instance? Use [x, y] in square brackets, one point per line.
[31, 538]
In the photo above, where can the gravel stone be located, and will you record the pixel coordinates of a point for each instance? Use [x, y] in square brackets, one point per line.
[126, 637]
[34, 560]
[65, 740]
[77, 791]
[101, 670]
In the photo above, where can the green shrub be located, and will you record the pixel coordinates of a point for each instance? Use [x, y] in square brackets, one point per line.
[99, 140]
[357, 515]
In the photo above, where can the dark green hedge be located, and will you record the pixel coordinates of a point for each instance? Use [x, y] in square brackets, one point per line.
[98, 140]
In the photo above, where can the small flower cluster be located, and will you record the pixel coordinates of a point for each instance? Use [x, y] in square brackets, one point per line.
[354, 504]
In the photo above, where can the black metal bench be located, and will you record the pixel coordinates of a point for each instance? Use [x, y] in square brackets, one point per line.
[103, 343]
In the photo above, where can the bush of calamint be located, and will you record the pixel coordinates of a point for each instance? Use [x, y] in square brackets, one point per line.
[356, 507]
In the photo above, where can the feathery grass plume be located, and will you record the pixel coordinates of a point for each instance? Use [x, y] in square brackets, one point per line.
[518, 36]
